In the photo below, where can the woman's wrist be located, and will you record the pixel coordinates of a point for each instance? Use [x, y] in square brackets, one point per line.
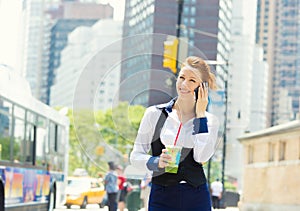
[200, 115]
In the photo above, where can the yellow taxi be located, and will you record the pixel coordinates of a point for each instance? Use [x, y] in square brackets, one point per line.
[84, 190]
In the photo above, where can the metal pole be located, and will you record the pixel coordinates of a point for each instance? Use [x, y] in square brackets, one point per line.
[180, 6]
[208, 173]
[224, 134]
[179, 13]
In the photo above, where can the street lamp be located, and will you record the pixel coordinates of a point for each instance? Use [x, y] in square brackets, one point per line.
[225, 129]
[179, 14]
[198, 31]
[171, 49]
[224, 78]
[210, 62]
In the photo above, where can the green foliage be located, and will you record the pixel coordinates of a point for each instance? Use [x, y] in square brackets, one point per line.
[119, 126]
[230, 186]
[114, 130]
[5, 149]
[215, 172]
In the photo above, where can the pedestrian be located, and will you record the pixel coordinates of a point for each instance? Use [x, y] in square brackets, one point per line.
[122, 188]
[145, 190]
[111, 187]
[182, 122]
[216, 193]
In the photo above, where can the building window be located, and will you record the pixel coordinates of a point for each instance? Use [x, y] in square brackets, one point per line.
[193, 11]
[192, 21]
[282, 148]
[185, 21]
[250, 154]
[271, 152]
[186, 10]
[192, 34]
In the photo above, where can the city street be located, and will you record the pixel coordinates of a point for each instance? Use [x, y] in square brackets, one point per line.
[92, 207]
[200, 98]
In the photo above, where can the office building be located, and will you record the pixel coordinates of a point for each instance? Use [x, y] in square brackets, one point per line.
[46, 27]
[89, 74]
[277, 32]
[246, 86]
[204, 25]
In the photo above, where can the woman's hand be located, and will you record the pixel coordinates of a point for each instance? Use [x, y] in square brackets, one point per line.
[164, 159]
[202, 101]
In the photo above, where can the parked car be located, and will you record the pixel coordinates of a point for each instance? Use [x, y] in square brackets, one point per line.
[84, 190]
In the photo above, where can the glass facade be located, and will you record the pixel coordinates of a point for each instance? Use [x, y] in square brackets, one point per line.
[281, 50]
[59, 39]
[287, 68]
[204, 23]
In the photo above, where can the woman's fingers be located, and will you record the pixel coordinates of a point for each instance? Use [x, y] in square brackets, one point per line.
[164, 159]
[203, 91]
[202, 101]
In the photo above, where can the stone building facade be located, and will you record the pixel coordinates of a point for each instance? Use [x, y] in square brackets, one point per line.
[272, 169]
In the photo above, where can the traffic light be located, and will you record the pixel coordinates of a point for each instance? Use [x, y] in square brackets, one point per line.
[170, 54]
[100, 150]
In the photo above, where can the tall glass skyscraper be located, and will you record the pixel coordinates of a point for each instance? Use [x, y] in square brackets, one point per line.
[59, 40]
[147, 23]
[278, 33]
[46, 27]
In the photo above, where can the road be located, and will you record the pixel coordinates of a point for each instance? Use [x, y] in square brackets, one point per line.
[92, 207]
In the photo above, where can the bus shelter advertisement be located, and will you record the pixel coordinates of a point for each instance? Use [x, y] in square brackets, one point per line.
[25, 185]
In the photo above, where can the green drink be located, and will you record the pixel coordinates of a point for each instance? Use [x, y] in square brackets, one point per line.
[175, 152]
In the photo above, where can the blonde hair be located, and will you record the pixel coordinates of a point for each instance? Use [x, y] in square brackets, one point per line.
[203, 68]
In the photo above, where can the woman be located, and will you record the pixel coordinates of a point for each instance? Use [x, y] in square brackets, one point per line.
[182, 122]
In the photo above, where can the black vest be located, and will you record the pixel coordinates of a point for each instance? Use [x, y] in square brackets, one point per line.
[189, 170]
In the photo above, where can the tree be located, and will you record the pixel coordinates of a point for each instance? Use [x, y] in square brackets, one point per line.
[120, 125]
[113, 137]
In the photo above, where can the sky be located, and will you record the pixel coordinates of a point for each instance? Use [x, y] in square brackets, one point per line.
[10, 32]
[10, 26]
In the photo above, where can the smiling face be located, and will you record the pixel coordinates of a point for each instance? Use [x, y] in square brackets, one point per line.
[200, 69]
[187, 81]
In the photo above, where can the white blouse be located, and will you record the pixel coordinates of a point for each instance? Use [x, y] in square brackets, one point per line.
[203, 144]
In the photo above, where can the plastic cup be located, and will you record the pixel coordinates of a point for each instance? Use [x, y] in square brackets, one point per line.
[175, 152]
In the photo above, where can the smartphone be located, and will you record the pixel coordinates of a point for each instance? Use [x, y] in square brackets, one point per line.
[196, 93]
[204, 85]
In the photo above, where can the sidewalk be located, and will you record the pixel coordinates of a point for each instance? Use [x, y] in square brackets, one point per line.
[227, 209]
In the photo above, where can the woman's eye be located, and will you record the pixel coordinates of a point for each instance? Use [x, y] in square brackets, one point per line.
[181, 77]
[193, 81]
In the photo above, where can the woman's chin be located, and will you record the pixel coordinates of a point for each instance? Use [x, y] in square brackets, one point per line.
[186, 96]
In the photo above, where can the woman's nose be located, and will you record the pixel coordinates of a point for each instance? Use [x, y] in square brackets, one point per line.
[185, 85]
